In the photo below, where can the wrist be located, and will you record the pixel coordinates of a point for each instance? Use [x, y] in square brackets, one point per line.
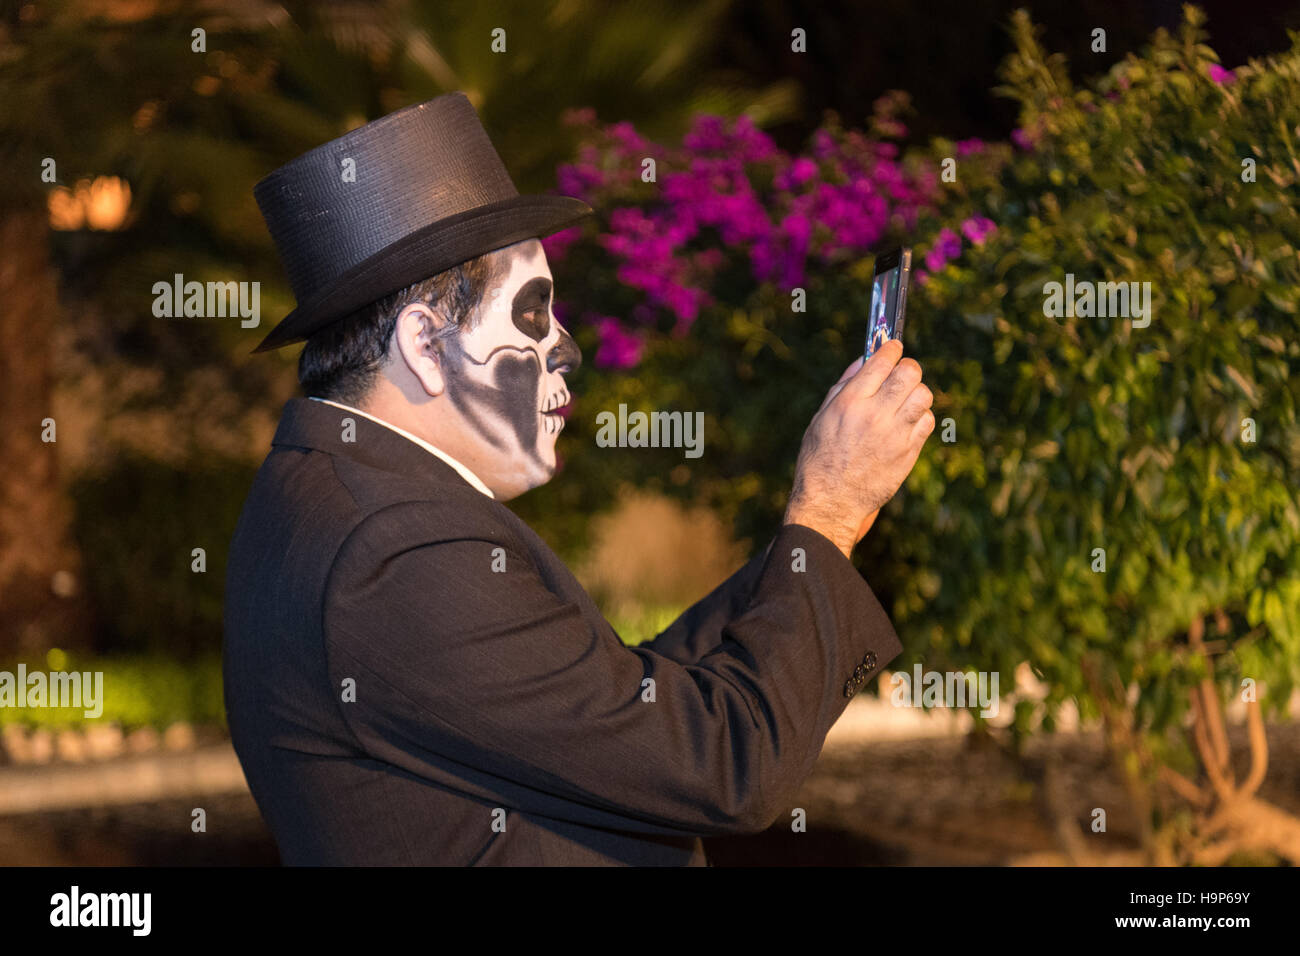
[840, 536]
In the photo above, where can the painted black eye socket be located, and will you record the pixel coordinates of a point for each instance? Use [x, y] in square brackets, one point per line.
[530, 310]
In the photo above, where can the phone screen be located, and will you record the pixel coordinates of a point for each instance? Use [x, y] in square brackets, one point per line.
[888, 299]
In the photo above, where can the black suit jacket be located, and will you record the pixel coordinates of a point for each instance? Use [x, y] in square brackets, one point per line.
[413, 677]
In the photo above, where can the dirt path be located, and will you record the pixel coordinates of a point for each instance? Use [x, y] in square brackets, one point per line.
[946, 801]
[935, 801]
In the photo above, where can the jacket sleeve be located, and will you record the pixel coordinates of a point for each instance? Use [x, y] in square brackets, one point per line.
[699, 628]
[488, 683]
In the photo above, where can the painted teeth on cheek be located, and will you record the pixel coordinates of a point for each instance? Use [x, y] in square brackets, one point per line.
[554, 401]
[554, 422]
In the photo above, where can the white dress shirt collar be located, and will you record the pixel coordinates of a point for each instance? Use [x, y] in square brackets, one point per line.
[464, 472]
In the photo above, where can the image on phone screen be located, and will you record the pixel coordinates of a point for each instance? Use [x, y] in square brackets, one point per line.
[884, 310]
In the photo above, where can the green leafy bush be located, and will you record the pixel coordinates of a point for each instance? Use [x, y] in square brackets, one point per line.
[1079, 433]
[1171, 449]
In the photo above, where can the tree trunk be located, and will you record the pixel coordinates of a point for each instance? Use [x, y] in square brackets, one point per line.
[1231, 818]
[43, 600]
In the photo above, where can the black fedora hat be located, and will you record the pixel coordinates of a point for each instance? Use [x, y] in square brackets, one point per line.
[430, 192]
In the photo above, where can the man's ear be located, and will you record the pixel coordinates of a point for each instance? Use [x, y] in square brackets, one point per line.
[418, 345]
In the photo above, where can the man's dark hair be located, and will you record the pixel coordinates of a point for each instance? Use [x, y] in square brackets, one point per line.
[340, 361]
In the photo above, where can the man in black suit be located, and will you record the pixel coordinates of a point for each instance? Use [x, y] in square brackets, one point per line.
[412, 676]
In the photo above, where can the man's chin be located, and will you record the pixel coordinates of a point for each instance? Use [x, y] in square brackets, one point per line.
[548, 467]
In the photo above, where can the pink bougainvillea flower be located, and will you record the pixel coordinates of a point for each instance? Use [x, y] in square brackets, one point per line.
[800, 171]
[618, 349]
[1022, 139]
[1219, 75]
[744, 140]
[578, 180]
[977, 229]
[823, 144]
[557, 243]
[626, 136]
[968, 147]
[754, 145]
[946, 246]
[729, 196]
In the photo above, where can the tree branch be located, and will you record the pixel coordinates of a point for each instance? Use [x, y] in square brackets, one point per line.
[1210, 709]
[1258, 750]
[1184, 787]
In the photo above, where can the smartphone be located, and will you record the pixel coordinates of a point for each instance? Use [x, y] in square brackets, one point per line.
[888, 298]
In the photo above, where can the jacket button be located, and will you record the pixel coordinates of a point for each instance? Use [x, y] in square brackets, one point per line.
[849, 688]
[870, 659]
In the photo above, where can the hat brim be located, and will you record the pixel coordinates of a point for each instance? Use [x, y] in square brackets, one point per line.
[439, 246]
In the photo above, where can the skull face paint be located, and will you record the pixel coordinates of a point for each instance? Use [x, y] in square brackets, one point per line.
[505, 377]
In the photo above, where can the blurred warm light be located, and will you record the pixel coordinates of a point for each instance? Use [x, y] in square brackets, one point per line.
[206, 85]
[99, 204]
[145, 116]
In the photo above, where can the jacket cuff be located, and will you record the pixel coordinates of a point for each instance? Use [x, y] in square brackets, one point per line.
[867, 641]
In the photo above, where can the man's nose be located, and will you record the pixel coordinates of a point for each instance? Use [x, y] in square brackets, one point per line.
[564, 356]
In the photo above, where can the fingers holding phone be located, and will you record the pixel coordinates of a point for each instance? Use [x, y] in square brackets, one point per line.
[835, 389]
[868, 433]
[860, 448]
